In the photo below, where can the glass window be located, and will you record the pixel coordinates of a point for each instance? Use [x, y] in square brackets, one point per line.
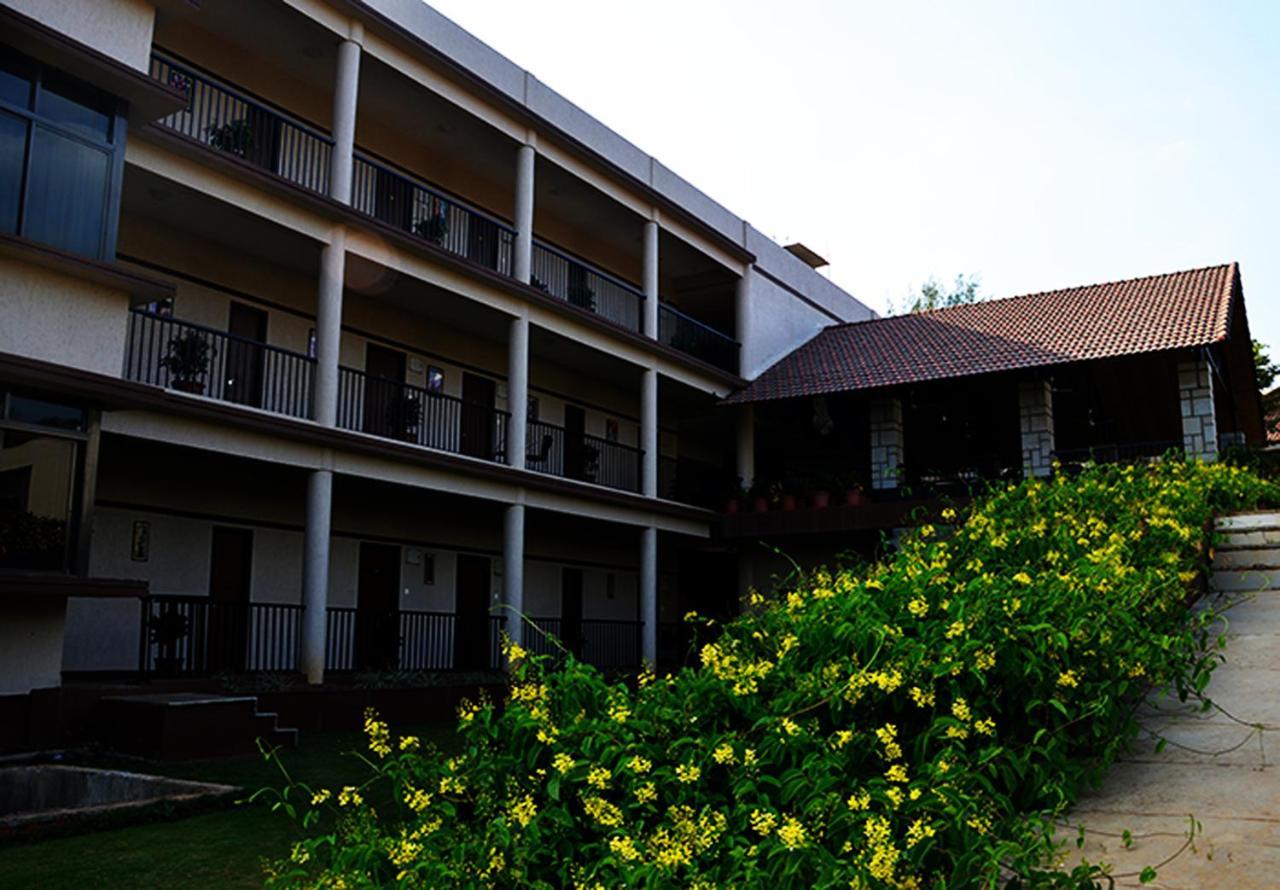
[13, 153]
[38, 412]
[66, 193]
[75, 107]
[16, 79]
[38, 483]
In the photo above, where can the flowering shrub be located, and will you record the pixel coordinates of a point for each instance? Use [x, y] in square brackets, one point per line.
[918, 724]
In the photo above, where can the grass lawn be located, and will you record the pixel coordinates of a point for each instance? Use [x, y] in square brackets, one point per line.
[216, 849]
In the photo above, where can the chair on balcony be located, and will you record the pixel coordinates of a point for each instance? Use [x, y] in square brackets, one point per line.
[537, 457]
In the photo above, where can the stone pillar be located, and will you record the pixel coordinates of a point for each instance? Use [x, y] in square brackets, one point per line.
[522, 261]
[649, 595]
[747, 445]
[886, 442]
[650, 325]
[649, 432]
[518, 392]
[1035, 413]
[742, 320]
[315, 575]
[346, 91]
[329, 328]
[1199, 423]
[513, 571]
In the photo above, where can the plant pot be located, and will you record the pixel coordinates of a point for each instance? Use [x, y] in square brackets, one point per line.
[789, 502]
[731, 505]
[855, 498]
[820, 500]
[760, 505]
[195, 387]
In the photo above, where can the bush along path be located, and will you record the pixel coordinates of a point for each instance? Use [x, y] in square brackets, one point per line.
[1197, 794]
[925, 722]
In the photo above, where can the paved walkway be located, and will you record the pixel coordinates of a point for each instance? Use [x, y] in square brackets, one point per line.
[1221, 767]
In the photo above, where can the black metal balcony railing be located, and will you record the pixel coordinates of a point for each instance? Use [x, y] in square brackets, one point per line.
[400, 200]
[580, 284]
[395, 410]
[694, 482]
[231, 121]
[687, 334]
[551, 450]
[204, 361]
[199, 635]
[1112, 453]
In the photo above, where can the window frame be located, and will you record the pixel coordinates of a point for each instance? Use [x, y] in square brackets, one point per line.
[112, 146]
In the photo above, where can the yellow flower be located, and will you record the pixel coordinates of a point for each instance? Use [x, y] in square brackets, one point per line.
[1022, 578]
[619, 713]
[985, 727]
[602, 811]
[625, 848]
[1068, 679]
[918, 831]
[723, 754]
[349, 797]
[523, 810]
[859, 800]
[948, 514]
[896, 773]
[408, 743]
[763, 822]
[984, 659]
[640, 765]
[598, 777]
[688, 773]
[319, 797]
[921, 698]
[792, 833]
[646, 792]
[749, 757]
[895, 796]
[918, 607]
[562, 763]
[955, 630]
[843, 737]
[960, 708]
[788, 726]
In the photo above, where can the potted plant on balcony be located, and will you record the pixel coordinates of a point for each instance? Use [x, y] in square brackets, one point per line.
[582, 296]
[758, 494]
[854, 492]
[786, 496]
[820, 497]
[734, 495]
[164, 631]
[234, 137]
[404, 412]
[187, 360]
[434, 228]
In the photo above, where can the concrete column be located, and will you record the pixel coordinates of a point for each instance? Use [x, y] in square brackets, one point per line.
[649, 432]
[346, 90]
[329, 328]
[650, 326]
[315, 574]
[522, 263]
[513, 571]
[518, 392]
[742, 321]
[649, 595]
[747, 445]
[886, 443]
[1199, 422]
[1035, 415]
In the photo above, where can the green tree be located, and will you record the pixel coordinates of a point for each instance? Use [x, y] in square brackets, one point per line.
[935, 295]
[1264, 368]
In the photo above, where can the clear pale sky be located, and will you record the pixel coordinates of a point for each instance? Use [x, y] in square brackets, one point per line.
[1034, 144]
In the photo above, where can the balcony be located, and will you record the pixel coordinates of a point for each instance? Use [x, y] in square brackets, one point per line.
[203, 361]
[197, 635]
[584, 457]
[229, 120]
[406, 413]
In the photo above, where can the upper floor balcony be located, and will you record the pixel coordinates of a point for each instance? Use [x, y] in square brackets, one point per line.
[228, 119]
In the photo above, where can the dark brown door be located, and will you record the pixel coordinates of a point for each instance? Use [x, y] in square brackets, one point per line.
[392, 199]
[378, 607]
[386, 405]
[571, 610]
[471, 635]
[227, 624]
[262, 141]
[477, 416]
[482, 241]
[243, 364]
[575, 451]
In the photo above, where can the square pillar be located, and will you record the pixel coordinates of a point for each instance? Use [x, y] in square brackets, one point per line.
[1195, 398]
[886, 443]
[1035, 417]
[747, 445]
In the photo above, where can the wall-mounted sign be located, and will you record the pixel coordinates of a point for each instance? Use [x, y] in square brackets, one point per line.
[140, 543]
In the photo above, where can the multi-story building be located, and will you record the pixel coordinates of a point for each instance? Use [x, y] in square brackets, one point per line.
[336, 340]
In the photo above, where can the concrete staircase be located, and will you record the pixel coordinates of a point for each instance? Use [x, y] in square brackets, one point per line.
[1213, 764]
[185, 725]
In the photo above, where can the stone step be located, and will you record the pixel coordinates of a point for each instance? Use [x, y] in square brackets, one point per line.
[1246, 579]
[1249, 558]
[1244, 521]
[1262, 537]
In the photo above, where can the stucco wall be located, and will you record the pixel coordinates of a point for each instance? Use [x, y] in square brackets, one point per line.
[120, 29]
[58, 318]
[30, 643]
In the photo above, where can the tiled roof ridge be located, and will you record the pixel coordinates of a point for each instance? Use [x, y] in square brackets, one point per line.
[1234, 266]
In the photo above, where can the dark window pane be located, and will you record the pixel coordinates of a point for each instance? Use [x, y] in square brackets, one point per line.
[15, 79]
[66, 193]
[38, 487]
[13, 151]
[74, 106]
[41, 413]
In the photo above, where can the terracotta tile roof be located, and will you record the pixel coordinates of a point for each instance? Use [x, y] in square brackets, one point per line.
[1173, 311]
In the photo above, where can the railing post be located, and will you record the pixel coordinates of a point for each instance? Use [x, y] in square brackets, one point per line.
[650, 321]
[346, 91]
[522, 261]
